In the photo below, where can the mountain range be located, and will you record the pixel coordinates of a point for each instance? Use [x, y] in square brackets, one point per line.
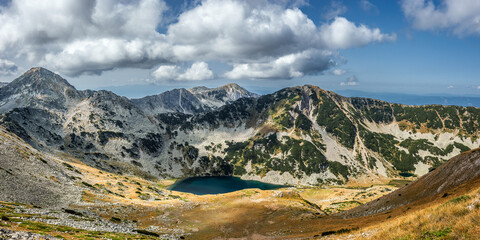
[192, 101]
[300, 135]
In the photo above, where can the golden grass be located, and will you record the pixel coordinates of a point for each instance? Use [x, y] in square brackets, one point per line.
[456, 217]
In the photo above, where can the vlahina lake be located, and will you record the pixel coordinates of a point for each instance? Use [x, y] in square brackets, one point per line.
[217, 185]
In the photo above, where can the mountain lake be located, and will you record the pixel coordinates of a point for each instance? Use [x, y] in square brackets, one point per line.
[218, 184]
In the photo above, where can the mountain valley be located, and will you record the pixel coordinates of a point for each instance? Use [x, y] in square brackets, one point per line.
[92, 164]
[239, 120]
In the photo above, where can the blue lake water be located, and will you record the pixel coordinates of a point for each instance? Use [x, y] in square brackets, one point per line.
[216, 185]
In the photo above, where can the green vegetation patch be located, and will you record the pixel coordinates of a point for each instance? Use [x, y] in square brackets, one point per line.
[284, 120]
[437, 234]
[303, 123]
[414, 146]
[384, 144]
[462, 147]
[459, 199]
[373, 110]
[37, 226]
[335, 121]
[290, 154]
[399, 182]
[339, 169]
[418, 116]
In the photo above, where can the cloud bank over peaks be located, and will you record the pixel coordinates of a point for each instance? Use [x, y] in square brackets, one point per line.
[258, 39]
[264, 40]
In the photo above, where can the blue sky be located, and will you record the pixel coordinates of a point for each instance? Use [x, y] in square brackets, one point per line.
[138, 48]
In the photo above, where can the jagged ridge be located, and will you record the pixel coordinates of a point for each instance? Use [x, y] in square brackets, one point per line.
[192, 101]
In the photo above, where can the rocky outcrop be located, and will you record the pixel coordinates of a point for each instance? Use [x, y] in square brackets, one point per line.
[28, 176]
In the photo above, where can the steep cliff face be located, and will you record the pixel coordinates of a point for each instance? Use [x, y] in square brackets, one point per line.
[297, 135]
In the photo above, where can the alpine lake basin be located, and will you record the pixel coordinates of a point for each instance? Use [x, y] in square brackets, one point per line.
[219, 185]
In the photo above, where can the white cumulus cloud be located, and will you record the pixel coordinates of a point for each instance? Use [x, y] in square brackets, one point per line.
[289, 66]
[7, 67]
[198, 71]
[338, 72]
[351, 81]
[462, 17]
[241, 30]
[342, 34]
[85, 36]
[98, 55]
[167, 72]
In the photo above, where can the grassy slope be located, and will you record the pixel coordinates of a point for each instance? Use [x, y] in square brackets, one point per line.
[277, 214]
[456, 216]
[262, 214]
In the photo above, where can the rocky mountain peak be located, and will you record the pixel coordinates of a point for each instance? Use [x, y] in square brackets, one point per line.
[217, 97]
[199, 89]
[41, 76]
[37, 86]
[35, 70]
[39, 73]
[231, 88]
